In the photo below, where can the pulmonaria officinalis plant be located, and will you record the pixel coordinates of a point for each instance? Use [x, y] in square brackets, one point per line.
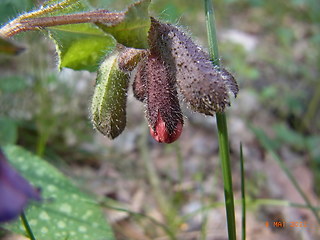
[173, 62]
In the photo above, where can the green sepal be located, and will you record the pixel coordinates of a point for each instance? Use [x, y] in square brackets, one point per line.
[108, 109]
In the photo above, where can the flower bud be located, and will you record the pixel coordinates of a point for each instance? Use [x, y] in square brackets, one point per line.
[204, 87]
[162, 104]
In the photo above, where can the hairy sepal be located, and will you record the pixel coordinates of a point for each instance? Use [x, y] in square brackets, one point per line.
[108, 109]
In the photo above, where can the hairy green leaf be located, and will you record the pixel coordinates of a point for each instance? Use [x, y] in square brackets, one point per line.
[81, 46]
[66, 212]
[108, 107]
[133, 30]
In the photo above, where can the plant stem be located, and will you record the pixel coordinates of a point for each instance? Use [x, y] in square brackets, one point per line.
[22, 24]
[226, 171]
[27, 226]
[222, 127]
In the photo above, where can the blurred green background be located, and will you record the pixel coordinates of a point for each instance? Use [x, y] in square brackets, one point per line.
[271, 47]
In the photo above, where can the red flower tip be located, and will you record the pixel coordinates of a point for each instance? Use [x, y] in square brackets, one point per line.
[161, 134]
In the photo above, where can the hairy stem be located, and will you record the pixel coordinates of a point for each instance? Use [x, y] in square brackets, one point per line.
[22, 24]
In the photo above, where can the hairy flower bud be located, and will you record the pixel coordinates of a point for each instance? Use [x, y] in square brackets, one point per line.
[204, 87]
[162, 104]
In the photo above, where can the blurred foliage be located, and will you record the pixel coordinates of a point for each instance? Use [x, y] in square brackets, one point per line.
[43, 105]
[8, 131]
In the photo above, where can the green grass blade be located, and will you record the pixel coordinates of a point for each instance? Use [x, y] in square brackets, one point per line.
[226, 171]
[222, 127]
[211, 30]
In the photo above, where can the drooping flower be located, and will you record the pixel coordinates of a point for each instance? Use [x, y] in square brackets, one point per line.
[15, 191]
[172, 65]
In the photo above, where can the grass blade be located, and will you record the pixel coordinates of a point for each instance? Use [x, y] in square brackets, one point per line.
[222, 127]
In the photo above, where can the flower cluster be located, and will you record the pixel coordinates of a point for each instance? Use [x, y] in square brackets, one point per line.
[176, 62]
[172, 65]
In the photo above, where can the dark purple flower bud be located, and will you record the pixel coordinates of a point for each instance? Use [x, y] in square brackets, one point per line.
[163, 110]
[204, 87]
[15, 191]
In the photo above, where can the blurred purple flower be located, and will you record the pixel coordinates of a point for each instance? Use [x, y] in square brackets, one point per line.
[15, 191]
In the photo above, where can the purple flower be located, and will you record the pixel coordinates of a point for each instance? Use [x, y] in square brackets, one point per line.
[15, 191]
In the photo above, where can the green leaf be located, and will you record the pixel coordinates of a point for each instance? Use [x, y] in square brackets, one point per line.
[9, 47]
[133, 30]
[66, 212]
[8, 131]
[81, 46]
[108, 107]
